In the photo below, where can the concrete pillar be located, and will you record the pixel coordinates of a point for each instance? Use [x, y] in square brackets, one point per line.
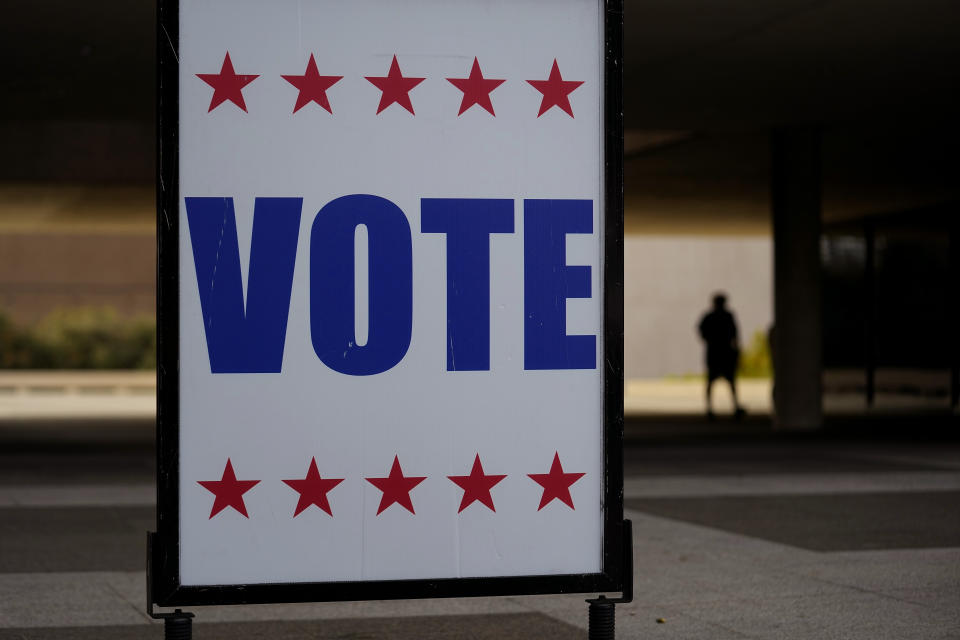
[954, 316]
[797, 340]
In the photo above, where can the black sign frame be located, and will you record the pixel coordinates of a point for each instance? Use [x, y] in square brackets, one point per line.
[163, 557]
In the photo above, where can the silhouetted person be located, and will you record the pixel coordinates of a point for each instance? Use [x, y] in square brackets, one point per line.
[718, 328]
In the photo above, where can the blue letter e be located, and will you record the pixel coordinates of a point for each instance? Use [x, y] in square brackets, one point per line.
[548, 282]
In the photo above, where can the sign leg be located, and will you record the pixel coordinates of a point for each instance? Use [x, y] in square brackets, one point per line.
[177, 625]
[602, 615]
[602, 619]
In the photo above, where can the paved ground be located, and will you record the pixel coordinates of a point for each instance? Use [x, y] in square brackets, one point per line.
[131, 396]
[854, 533]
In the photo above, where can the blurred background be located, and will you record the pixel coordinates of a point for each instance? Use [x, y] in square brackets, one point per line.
[802, 156]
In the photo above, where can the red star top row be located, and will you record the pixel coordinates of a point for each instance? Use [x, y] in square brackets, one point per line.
[396, 488]
[395, 88]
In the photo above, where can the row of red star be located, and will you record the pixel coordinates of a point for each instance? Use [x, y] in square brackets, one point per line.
[395, 87]
[396, 487]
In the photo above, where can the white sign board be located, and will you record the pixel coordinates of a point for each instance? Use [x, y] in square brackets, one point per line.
[390, 227]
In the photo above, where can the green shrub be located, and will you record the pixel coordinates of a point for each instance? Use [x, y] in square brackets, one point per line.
[755, 357]
[18, 350]
[80, 338]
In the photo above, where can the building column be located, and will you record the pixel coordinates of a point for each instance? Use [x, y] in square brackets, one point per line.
[797, 340]
[870, 312]
[954, 280]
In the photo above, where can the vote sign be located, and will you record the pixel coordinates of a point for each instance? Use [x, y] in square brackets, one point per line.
[390, 311]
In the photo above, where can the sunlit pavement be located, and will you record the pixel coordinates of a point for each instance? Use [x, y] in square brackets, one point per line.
[131, 396]
[748, 535]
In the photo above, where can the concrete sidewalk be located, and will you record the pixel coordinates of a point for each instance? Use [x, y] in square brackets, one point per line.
[77, 395]
[85, 395]
[131, 395]
[763, 537]
[845, 534]
[686, 397]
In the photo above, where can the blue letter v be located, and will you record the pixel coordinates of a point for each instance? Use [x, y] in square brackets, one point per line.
[244, 338]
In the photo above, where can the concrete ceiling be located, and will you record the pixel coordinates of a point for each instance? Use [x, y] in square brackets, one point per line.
[704, 83]
[749, 64]
[689, 64]
[719, 182]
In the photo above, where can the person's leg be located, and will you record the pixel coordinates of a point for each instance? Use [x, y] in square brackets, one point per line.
[710, 379]
[733, 391]
[737, 409]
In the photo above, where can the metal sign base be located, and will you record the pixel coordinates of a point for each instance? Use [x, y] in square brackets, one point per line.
[178, 624]
[602, 614]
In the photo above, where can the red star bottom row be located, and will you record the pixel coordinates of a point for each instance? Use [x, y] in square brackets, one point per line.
[313, 489]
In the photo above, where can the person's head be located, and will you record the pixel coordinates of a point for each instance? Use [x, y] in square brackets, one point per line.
[719, 300]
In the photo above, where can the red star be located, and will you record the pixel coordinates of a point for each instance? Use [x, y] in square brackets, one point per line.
[556, 484]
[313, 86]
[396, 487]
[476, 89]
[228, 491]
[313, 489]
[476, 486]
[555, 90]
[227, 85]
[395, 88]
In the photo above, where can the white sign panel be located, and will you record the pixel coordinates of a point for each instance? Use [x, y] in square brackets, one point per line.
[391, 279]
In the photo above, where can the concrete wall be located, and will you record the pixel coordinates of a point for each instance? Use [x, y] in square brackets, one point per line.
[45, 271]
[669, 282]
